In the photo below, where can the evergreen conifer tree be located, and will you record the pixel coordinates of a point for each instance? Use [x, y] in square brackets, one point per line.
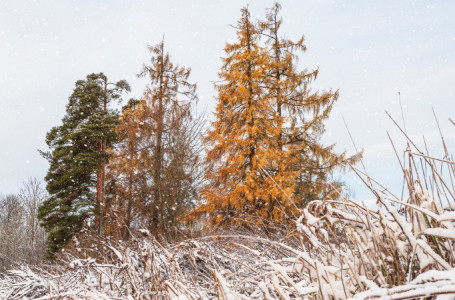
[75, 180]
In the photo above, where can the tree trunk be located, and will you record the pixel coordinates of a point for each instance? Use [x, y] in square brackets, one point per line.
[157, 203]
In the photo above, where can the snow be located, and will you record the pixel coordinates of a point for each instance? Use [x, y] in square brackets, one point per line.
[441, 232]
[341, 250]
[448, 216]
[429, 283]
[145, 232]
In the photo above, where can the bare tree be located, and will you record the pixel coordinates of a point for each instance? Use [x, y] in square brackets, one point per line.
[11, 231]
[22, 238]
[31, 196]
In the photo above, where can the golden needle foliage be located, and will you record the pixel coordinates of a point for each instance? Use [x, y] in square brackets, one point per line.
[264, 158]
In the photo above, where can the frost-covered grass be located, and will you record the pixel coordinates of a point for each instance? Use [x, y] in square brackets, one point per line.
[402, 249]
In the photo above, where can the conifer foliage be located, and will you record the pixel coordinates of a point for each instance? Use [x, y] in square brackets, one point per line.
[155, 165]
[240, 137]
[141, 168]
[300, 115]
[265, 141]
[127, 176]
[75, 180]
[169, 98]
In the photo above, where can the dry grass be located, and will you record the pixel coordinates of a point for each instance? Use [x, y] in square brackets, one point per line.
[402, 249]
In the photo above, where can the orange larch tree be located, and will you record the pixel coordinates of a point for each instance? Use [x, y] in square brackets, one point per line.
[265, 157]
[239, 189]
[127, 172]
[300, 116]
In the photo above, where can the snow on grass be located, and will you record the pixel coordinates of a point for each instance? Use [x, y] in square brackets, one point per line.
[402, 249]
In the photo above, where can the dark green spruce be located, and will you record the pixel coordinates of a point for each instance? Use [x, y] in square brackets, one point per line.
[78, 155]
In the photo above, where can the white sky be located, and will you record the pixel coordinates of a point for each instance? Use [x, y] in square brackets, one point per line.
[369, 50]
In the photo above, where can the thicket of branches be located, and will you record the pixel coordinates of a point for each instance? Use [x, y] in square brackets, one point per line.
[22, 239]
[155, 168]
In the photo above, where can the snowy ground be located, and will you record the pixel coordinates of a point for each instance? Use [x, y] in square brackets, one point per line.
[401, 249]
[341, 250]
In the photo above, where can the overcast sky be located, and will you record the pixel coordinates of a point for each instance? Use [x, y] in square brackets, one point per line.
[368, 50]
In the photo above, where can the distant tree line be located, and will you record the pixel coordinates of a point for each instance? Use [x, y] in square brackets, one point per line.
[22, 240]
